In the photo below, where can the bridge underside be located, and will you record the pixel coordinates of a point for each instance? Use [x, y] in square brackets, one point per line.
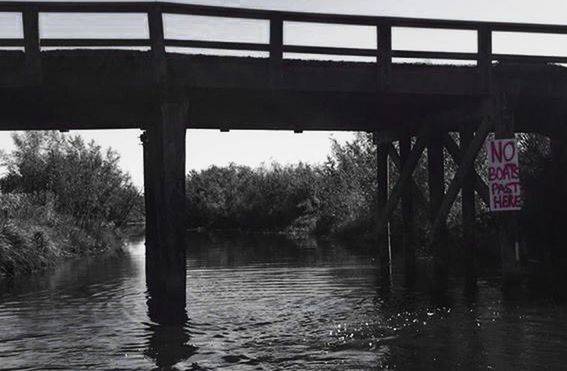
[82, 89]
[85, 89]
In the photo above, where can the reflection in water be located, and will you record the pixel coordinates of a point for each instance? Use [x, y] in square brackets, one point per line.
[169, 344]
[260, 302]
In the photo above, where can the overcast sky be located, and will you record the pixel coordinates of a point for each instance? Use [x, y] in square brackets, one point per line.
[207, 147]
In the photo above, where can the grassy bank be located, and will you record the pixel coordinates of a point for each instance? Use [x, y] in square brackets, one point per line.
[34, 236]
[61, 197]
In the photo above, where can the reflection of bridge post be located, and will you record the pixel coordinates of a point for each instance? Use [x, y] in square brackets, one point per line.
[164, 177]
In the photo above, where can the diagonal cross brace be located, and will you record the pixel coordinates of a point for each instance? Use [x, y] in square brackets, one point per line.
[464, 166]
[404, 179]
[478, 183]
[393, 153]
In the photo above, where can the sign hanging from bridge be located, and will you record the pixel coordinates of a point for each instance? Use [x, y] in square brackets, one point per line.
[503, 175]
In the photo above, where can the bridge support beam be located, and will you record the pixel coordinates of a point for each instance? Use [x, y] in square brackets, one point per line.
[383, 179]
[436, 180]
[408, 227]
[507, 220]
[468, 212]
[164, 178]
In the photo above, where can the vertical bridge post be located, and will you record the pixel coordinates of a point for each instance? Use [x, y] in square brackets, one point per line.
[276, 49]
[408, 228]
[507, 220]
[384, 58]
[30, 18]
[436, 180]
[383, 179]
[164, 189]
[468, 211]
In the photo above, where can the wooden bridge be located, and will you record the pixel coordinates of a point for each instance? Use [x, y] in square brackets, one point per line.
[76, 83]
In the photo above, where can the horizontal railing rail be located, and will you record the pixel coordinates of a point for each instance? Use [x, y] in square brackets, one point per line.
[275, 47]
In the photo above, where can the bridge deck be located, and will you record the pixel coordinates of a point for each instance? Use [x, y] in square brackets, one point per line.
[93, 89]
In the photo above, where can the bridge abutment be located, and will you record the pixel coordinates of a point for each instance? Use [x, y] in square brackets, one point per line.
[164, 186]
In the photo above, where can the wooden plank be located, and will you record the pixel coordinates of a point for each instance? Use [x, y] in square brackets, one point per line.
[216, 45]
[95, 42]
[529, 58]
[478, 183]
[383, 181]
[276, 39]
[435, 172]
[468, 211]
[433, 55]
[467, 161]
[408, 228]
[484, 62]
[12, 42]
[508, 229]
[404, 178]
[416, 190]
[31, 42]
[384, 56]
[329, 50]
[155, 24]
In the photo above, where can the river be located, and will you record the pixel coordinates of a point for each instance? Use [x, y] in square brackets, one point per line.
[265, 303]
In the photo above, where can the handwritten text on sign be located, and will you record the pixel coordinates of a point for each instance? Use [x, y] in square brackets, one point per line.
[503, 175]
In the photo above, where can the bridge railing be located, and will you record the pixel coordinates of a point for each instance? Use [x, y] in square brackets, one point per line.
[383, 51]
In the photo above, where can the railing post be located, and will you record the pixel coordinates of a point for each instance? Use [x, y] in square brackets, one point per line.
[30, 18]
[484, 62]
[157, 41]
[276, 48]
[384, 56]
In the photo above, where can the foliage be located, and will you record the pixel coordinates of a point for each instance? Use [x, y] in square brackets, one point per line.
[59, 197]
[82, 181]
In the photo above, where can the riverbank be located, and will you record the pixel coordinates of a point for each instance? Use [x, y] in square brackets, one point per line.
[34, 236]
[27, 247]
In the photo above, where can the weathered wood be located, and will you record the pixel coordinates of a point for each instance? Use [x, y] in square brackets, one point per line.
[507, 220]
[276, 39]
[415, 188]
[95, 42]
[31, 44]
[477, 182]
[155, 24]
[164, 153]
[436, 181]
[276, 50]
[468, 210]
[408, 225]
[383, 179]
[484, 62]
[216, 45]
[433, 55]
[455, 185]
[404, 178]
[329, 50]
[384, 56]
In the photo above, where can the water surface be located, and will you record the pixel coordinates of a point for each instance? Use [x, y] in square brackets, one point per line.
[264, 303]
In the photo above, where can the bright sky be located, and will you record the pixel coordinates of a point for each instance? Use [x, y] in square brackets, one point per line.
[208, 147]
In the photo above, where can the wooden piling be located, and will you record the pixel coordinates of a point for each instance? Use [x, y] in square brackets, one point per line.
[468, 211]
[408, 220]
[383, 178]
[507, 220]
[164, 176]
[436, 180]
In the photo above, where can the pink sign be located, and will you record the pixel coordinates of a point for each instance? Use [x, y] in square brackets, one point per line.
[503, 175]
